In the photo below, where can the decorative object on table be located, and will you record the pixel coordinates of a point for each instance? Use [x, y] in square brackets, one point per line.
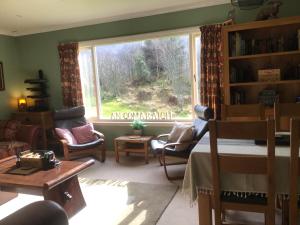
[22, 104]
[268, 97]
[2, 85]
[268, 75]
[37, 159]
[269, 12]
[138, 127]
[247, 4]
[39, 94]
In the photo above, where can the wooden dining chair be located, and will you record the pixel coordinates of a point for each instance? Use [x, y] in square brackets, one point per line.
[283, 112]
[294, 171]
[243, 164]
[245, 112]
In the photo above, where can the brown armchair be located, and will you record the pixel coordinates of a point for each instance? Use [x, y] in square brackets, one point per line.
[16, 137]
[162, 148]
[74, 117]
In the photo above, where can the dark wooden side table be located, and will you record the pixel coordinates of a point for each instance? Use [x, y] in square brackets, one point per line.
[133, 144]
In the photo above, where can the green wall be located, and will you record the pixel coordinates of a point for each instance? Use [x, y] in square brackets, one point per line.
[39, 51]
[12, 76]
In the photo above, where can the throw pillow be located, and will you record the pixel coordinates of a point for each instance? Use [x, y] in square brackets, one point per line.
[84, 134]
[186, 136]
[67, 135]
[177, 130]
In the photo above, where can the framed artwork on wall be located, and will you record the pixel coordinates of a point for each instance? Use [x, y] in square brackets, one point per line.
[2, 85]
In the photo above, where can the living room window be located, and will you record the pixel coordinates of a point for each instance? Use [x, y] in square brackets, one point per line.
[152, 77]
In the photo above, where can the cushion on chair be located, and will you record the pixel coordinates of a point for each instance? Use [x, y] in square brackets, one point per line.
[69, 118]
[92, 144]
[157, 147]
[177, 131]
[84, 134]
[66, 134]
[186, 136]
[201, 123]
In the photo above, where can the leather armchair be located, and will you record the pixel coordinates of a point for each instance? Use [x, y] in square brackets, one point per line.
[162, 148]
[74, 117]
[38, 213]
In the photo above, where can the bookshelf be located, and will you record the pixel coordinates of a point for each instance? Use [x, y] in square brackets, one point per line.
[261, 57]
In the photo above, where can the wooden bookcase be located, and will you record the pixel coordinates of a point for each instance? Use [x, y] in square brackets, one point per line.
[249, 47]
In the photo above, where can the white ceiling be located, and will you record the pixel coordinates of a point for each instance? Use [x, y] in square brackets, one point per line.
[20, 17]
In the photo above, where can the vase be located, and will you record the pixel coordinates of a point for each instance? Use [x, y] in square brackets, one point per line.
[137, 132]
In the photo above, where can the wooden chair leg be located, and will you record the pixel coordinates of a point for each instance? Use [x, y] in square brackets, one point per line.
[103, 155]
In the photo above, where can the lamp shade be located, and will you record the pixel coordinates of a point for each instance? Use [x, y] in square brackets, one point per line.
[22, 104]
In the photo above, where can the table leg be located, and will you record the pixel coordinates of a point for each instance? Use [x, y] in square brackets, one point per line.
[204, 209]
[116, 151]
[68, 194]
[7, 196]
[146, 152]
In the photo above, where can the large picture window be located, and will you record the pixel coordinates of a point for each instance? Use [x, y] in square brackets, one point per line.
[150, 79]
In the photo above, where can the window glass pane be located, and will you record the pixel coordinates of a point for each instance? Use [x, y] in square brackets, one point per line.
[87, 82]
[148, 79]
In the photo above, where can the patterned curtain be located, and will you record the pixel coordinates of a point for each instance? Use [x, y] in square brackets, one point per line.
[70, 75]
[211, 67]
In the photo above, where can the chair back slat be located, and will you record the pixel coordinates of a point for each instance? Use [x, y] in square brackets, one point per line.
[242, 130]
[283, 113]
[243, 164]
[294, 169]
[243, 112]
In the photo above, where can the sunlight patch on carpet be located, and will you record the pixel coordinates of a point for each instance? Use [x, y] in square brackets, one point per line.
[111, 203]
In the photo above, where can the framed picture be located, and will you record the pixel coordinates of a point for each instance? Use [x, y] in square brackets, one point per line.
[2, 85]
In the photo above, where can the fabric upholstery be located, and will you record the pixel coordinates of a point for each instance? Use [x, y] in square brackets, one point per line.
[10, 148]
[84, 134]
[66, 134]
[38, 213]
[211, 67]
[69, 118]
[8, 129]
[186, 136]
[177, 131]
[86, 145]
[70, 75]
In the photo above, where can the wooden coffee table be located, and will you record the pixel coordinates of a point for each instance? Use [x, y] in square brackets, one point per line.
[141, 145]
[59, 184]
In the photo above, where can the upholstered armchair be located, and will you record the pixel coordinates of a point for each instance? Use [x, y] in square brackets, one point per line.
[16, 137]
[38, 213]
[66, 121]
[163, 147]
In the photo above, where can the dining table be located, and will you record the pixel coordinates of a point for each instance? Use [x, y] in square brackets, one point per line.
[197, 182]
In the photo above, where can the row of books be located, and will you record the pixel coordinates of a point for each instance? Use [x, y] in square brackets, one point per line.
[239, 46]
[238, 97]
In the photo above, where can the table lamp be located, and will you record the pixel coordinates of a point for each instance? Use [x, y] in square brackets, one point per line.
[22, 104]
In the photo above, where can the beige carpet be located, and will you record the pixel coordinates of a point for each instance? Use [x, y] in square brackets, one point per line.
[112, 203]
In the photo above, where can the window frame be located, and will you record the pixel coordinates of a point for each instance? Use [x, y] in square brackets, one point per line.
[193, 32]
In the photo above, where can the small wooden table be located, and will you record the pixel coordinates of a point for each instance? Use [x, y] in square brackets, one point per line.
[59, 184]
[140, 144]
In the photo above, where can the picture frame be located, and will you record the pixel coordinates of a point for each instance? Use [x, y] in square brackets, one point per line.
[2, 84]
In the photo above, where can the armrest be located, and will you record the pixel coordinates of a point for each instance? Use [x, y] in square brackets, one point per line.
[162, 136]
[179, 143]
[99, 134]
[29, 134]
[38, 213]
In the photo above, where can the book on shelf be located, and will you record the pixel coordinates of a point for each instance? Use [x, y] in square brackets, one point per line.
[238, 97]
